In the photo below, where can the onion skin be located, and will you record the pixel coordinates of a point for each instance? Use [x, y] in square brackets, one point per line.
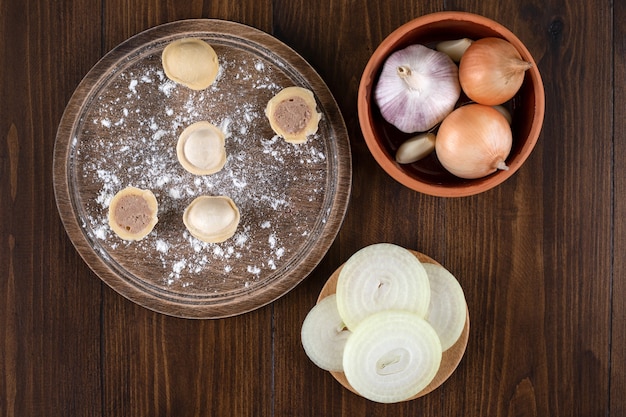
[417, 88]
[492, 71]
[474, 141]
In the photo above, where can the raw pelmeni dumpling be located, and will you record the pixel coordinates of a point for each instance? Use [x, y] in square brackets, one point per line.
[200, 149]
[292, 114]
[133, 213]
[191, 62]
[212, 219]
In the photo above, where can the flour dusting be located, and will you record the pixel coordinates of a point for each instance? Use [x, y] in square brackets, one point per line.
[130, 140]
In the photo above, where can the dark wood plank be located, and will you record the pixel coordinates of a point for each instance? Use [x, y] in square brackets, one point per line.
[539, 270]
[50, 301]
[125, 18]
[159, 365]
[577, 207]
[617, 406]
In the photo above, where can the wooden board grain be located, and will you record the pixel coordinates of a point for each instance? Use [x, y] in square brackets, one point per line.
[617, 405]
[43, 341]
[120, 130]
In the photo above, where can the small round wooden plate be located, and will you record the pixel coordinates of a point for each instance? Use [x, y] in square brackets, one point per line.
[450, 359]
[120, 129]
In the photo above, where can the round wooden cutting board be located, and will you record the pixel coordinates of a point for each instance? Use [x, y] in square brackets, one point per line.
[120, 129]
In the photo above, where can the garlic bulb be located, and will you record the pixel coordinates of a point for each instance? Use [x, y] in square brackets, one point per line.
[417, 88]
[474, 141]
[492, 71]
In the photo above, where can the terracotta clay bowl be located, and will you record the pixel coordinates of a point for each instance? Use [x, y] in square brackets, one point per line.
[428, 175]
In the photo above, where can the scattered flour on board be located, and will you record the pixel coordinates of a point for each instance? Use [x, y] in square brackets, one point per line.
[134, 145]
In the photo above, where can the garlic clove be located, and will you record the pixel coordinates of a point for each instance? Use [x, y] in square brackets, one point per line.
[505, 112]
[416, 148]
[417, 88]
[191, 62]
[454, 48]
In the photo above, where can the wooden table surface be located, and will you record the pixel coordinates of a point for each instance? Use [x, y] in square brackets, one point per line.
[540, 257]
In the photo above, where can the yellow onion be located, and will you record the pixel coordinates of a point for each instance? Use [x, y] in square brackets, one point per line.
[474, 141]
[491, 71]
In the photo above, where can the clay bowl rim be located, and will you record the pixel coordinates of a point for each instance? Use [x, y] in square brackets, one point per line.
[396, 40]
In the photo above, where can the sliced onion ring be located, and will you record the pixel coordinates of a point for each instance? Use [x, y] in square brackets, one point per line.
[381, 277]
[447, 312]
[391, 356]
[324, 335]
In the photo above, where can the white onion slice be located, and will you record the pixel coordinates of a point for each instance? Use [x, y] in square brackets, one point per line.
[324, 335]
[391, 356]
[447, 312]
[381, 277]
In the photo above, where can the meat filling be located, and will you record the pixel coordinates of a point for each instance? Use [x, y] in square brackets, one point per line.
[132, 213]
[292, 115]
